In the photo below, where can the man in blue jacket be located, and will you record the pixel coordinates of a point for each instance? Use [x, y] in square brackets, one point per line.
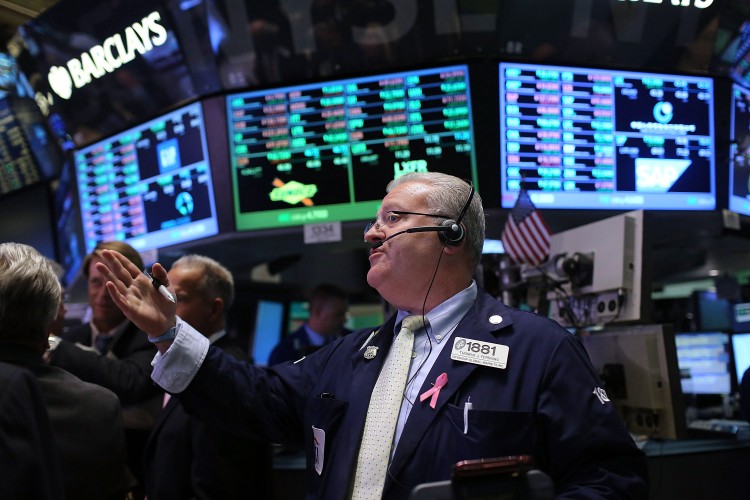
[484, 381]
[328, 310]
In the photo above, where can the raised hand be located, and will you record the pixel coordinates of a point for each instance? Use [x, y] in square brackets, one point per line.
[135, 294]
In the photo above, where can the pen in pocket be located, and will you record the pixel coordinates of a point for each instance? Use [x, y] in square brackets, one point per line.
[467, 406]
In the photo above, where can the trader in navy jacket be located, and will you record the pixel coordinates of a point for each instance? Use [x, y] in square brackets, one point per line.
[511, 382]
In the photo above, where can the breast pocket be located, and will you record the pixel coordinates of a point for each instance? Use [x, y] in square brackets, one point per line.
[489, 433]
[323, 418]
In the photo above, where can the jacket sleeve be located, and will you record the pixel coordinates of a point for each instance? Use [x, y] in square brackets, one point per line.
[129, 376]
[590, 454]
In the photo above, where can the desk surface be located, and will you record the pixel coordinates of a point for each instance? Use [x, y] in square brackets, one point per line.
[665, 447]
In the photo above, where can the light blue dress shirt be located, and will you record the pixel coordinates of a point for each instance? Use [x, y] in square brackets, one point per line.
[176, 368]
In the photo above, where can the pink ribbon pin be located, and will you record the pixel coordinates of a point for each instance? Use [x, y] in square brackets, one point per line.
[435, 391]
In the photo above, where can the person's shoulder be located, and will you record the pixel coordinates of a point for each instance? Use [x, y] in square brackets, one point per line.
[70, 383]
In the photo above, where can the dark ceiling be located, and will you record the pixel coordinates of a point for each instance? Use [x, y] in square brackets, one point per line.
[14, 13]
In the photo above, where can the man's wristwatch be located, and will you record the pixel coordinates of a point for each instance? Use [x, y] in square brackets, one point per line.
[168, 335]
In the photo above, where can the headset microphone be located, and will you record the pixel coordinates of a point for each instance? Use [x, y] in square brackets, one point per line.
[421, 229]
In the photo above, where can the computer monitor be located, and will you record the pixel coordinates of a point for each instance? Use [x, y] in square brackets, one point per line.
[593, 138]
[151, 185]
[710, 311]
[704, 359]
[638, 366]
[269, 328]
[741, 353]
[325, 151]
[739, 156]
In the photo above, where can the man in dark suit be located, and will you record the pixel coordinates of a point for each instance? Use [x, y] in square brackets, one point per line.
[112, 352]
[328, 309]
[85, 418]
[482, 380]
[28, 453]
[186, 458]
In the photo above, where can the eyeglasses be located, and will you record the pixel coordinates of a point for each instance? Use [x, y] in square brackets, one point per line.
[393, 217]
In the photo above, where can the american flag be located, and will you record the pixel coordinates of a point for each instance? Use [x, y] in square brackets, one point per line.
[526, 237]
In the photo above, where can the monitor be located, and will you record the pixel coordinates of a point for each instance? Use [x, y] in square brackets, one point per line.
[739, 156]
[741, 354]
[27, 154]
[71, 249]
[325, 151]
[741, 317]
[704, 359]
[638, 366]
[150, 185]
[99, 67]
[710, 311]
[603, 271]
[585, 138]
[269, 328]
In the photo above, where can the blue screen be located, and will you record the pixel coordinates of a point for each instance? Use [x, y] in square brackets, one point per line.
[741, 352]
[150, 185]
[269, 324]
[583, 138]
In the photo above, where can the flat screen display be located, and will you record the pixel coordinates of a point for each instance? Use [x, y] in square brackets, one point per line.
[18, 167]
[582, 138]
[326, 151]
[150, 185]
[704, 360]
[741, 353]
[99, 67]
[269, 327]
[739, 165]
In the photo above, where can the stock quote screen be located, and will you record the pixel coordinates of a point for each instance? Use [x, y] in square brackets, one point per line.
[739, 165]
[326, 151]
[581, 138]
[149, 186]
[18, 168]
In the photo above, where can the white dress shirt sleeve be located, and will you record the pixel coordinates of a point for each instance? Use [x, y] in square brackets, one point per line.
[175, 369]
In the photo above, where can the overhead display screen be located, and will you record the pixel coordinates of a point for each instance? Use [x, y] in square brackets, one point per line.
[151, 185]
[581, 138]
[326, 151]
[739, 165]
[18, 168]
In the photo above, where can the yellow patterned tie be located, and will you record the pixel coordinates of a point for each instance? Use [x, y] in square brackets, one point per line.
[382, 414]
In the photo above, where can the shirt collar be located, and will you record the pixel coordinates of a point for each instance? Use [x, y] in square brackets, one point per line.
[114, 331]
[445, 317]
[316, 339]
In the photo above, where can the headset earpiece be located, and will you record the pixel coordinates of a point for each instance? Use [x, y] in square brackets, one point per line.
[454, 234]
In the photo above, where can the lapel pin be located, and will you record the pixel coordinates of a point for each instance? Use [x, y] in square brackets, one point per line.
[435, 391]
[371, 352]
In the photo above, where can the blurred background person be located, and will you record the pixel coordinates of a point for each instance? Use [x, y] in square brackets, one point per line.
[185, 458]
[329, 306]
[112, 352]
[86, 418]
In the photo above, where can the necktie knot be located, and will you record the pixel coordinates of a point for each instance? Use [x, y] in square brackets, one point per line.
[102, 342]
[414, 323]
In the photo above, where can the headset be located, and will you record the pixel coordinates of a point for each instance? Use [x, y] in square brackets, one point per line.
[450, 231]
[454, 233]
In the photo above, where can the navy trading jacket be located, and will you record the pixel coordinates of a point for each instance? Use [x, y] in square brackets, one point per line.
[547, 403]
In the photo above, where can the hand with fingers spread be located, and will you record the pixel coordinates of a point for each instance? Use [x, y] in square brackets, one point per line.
[135, 295]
